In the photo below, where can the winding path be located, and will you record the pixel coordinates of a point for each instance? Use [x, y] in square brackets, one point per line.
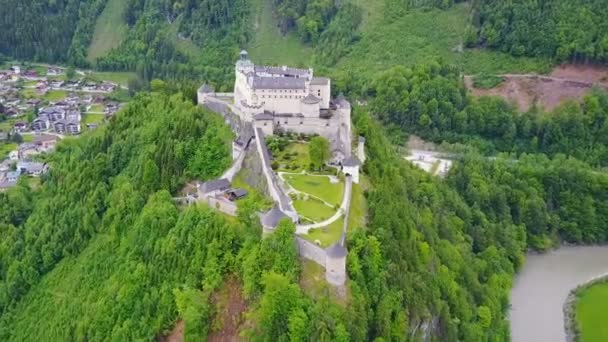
[344, 207]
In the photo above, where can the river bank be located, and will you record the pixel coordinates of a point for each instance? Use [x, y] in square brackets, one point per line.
[543, 285]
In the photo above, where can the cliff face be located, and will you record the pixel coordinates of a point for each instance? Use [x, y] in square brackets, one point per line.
[252, 170]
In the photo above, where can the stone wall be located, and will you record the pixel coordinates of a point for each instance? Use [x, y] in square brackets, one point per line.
[311, 251]
[222, 205]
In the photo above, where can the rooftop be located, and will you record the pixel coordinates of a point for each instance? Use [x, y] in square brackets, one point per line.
[319, 81]
[336, 251]
[278, 83]
[281, 70]
[272, 217]
[311, 99]
[351, 161]
[215, 185]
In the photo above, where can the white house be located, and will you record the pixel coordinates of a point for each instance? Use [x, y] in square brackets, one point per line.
[350, 166]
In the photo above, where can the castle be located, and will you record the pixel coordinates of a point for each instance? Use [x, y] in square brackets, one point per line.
[268, 100]
[285, 99]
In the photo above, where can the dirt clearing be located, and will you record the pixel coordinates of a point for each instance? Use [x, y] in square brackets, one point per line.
[566, 82]
[229, 318]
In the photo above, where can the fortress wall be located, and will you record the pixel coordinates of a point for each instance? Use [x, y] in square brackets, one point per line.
[310, 251]
[224, 206]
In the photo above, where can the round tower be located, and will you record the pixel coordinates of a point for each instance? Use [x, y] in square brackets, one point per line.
[335, 264]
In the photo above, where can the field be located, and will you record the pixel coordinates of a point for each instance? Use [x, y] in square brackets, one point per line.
[110, 30]
[55, 95]
[118, 77]
[269, 46]
[92, 118]
[327, 235]
[6, 148]
[313, 209]
[591, 311]
[96, 108]
[317, 186]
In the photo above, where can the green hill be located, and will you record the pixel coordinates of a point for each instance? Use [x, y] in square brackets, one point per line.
[110, 30]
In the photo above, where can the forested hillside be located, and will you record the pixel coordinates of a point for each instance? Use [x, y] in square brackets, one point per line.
[567, 30]
[48, 31]
[430, 100]
[155, 144]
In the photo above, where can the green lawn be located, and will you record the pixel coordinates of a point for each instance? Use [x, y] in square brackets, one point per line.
[97, 108]
[313, 209]
[92, 118]
[110, 30]
[28, 138]
[317, 186]
[262, 202]
[591, 312]
[55, 95]
[6, 148]
[327, 236]
[118, 77]
[358, 208]
[269, 46]
[29, 93]
[294, 158]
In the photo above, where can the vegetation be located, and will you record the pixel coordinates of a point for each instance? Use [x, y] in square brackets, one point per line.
[485, 81]
[318, 186]
[326, 236]
[564, 30]
[590, 310]
[431, 101]
[318, 150]
[313, 209]
[110, 29]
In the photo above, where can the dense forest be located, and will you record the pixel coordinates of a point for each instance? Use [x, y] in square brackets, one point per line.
[152, 46]
[430, 100]
[566, 30]
[48, 31]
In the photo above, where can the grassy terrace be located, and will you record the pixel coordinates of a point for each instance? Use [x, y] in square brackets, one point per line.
[6, 148]
[55, 95]
[92, 118]
[326, 235]
[294, 158]
[318, 186]
[121, 78]
[313, 209]
[591, 313]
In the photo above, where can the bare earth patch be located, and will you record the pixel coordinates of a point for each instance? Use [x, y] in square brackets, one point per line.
[229, 318]
[566, 82]
[176, 335]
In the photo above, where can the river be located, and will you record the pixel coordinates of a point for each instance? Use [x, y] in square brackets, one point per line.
[541, 287]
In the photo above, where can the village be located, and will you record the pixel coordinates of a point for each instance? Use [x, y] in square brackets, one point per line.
[40, 105]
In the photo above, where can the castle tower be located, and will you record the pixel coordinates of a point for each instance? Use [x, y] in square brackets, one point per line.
[335, 264]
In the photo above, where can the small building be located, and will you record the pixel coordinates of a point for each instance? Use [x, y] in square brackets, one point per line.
[270, 220]
[20, 126]
[27, 150]
[214, 187]
[34, 169]
[350, 167]
[236, 194]
[3, 136]
[46, 142]
[41, 123]
[13, 176]
[13, 155]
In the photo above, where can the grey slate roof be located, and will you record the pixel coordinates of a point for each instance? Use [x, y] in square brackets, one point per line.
[263, 116]
[205, 89]
[351, 161]
[32, 167]
[281, 70]
[311, 99]
[238, 192]
[319, 81]
[278, 83]
[361, 139]
[272, 218]
[342, 102]
[215, 185]
[336, 251]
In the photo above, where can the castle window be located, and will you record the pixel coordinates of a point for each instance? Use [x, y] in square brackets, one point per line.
[286, 122]
[301, 122]
[327, 124]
